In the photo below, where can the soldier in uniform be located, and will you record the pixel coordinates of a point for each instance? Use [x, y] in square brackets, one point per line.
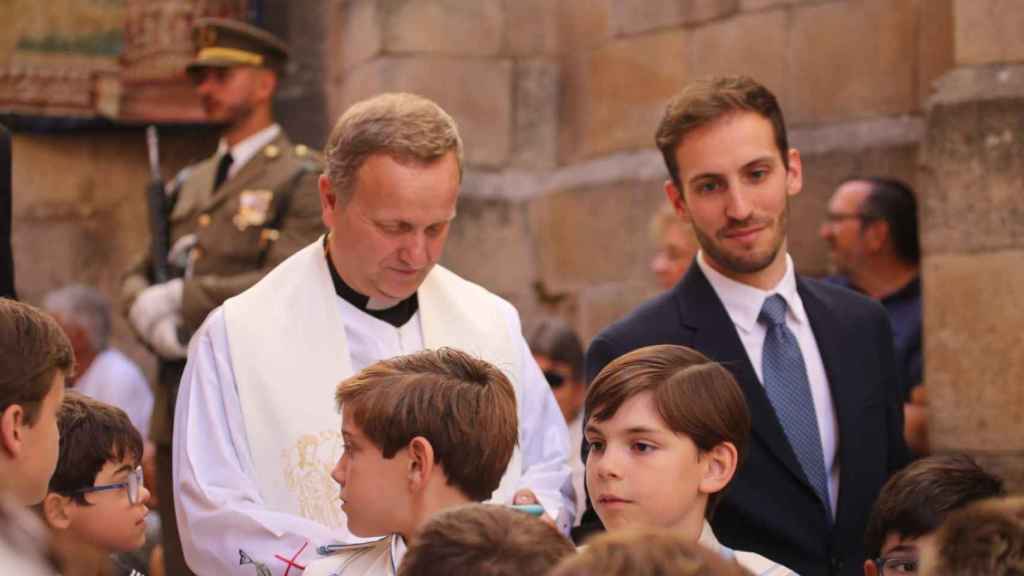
[235, 216]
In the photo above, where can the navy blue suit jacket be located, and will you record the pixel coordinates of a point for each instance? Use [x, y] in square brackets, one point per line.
[769, 507]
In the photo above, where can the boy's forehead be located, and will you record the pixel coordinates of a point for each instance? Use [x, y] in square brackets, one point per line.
[896, 542]
[638, 411]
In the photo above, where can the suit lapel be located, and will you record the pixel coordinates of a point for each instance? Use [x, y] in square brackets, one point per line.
[845, 398]
[251, 171]
[716, 336]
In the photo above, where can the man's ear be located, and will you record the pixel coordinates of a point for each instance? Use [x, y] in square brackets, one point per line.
[870, 569]
[876, 235]
[328, 201]
[794, 173]
[675, 197]
[11, 423]
[57, 510]
[719, 467]
[421, 463]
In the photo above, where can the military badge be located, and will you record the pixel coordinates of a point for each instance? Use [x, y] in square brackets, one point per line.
[253, 207]
[207, 37]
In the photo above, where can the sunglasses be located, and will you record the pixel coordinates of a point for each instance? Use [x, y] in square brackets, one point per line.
[555, 380]
[132, 484]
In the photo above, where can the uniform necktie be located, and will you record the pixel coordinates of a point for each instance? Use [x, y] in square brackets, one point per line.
[787, 387]
[222, 170]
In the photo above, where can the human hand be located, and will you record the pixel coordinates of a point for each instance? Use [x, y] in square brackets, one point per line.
[164, 338]
[524, 497]
[155, 303]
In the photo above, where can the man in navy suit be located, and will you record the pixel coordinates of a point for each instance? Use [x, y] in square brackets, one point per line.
[815, 361]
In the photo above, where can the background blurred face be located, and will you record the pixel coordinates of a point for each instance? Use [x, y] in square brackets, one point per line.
[571, 393]
[391, 232]
[843, 228]
[230, 95]
[112, 522]
[642, 474]
[373, 488]
[735, 191]
[40, 447]
[676, 248]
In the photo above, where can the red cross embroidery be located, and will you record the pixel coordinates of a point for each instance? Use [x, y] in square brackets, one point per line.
[292, 563]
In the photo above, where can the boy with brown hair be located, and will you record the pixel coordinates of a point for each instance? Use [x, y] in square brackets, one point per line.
[485, 540]
[35, 359]
[914, 502]
[667, 428]
[983, 539]
[646, 552]
[96, 502]
[423, 433]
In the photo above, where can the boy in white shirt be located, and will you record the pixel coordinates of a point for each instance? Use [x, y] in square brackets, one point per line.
[423, 433]
[667, 428]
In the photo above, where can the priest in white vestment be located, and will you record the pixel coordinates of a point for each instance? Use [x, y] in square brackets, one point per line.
[256, 431]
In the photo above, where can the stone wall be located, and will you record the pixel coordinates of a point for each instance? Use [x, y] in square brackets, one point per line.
[79, 212]
[973, 238]
[558, 101]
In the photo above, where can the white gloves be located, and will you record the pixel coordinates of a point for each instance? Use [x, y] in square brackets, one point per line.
[155, 315]
[164, 338]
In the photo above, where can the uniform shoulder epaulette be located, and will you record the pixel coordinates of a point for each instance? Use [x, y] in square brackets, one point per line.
[312, 159]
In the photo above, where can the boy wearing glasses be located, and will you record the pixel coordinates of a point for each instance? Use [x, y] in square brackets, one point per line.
[96, 497]
[913, 504]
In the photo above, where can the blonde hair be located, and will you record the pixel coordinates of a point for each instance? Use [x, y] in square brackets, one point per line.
[405, 127]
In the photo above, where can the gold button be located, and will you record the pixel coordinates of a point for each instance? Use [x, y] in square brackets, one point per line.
[301, 150]
[271, 151]
[204, 220]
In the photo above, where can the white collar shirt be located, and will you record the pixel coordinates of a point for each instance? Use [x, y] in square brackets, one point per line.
[246, 149]
[743, 304]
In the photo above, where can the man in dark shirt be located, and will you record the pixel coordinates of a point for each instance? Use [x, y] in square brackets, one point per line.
[871, 229]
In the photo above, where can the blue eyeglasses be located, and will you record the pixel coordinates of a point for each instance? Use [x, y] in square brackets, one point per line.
[896, 564]
[133, 484]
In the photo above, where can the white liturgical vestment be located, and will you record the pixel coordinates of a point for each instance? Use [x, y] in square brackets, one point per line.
[257, 433]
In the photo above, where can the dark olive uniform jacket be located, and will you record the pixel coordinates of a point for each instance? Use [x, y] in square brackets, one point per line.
[264, 213]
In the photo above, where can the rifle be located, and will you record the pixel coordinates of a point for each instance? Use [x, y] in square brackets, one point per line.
[157, 199]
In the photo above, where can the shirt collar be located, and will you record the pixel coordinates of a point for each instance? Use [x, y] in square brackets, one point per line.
[743, 302]
[396, 315]
[246, 149]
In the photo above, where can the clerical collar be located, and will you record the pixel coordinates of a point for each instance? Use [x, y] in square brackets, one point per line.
[396, 315]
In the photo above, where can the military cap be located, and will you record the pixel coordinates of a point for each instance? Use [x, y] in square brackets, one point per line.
[223, 42]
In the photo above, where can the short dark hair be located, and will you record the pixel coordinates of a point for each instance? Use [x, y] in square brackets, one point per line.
[704, 101]
[464, 406]
[892, 201]
[33, 349]
[554, 338]
[92, 433]
[646, 552]
[485, 540]
[983, 539]
[693, 394]
[915, 500]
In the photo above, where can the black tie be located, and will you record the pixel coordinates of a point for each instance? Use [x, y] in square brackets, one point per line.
[222, 170]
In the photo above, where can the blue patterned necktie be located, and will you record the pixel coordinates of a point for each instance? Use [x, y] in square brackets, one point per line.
[787, 387]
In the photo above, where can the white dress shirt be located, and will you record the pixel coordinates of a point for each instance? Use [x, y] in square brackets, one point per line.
[246, 149]
[219, 507]
[743, 304]
[115, 379]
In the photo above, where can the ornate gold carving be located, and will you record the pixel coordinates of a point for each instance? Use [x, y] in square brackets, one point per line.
[307, 471]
